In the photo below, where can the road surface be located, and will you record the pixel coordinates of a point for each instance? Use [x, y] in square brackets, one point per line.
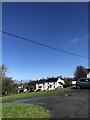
[73, 104]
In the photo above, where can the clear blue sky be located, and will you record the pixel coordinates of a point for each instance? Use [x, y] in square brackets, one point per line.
[60, 25]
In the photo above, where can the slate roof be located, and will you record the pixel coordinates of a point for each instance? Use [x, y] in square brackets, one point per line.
[32, 83]
[43, 81]
[36, 82]
[52, 80]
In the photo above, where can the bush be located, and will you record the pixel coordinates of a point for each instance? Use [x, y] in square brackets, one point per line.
[8, 86]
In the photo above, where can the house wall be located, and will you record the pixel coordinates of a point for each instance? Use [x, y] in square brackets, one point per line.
[46, 86]
[50, 85]
[59, 85]
[56, 84]
[88, 75]
[73, 82]
[38, 85]
[60, 80]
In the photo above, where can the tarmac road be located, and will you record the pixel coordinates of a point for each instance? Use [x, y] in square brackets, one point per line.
[73, 104]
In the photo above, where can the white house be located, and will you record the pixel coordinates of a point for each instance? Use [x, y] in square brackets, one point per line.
[88, 74]
[50, 84]
[73, 82]
[40, 85]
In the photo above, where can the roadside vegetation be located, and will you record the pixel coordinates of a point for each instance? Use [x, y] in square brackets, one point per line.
[22, 110]
[34, 94]
[10, 86]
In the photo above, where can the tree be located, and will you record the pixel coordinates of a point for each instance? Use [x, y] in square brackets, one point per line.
[3, 70]
[68, 81]
[80, 72]
[25, 84]
[8, 85]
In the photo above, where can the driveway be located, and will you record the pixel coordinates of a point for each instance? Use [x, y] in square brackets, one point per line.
[73, 104]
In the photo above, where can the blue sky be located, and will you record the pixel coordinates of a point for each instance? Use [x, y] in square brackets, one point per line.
[60, 25]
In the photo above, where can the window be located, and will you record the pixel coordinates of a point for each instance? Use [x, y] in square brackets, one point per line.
[82, 80]
[50, 86]
[40, 86]
[54, 83]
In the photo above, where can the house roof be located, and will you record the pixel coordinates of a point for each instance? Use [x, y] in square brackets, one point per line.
[43, 81]
[52, 80]
[36, 82]
[32, 83]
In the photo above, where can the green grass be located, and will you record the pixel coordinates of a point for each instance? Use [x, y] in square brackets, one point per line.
[34, 94]
[0, 111]
[23, 110]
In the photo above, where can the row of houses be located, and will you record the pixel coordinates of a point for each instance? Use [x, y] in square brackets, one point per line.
[51, 83]
[47, 84]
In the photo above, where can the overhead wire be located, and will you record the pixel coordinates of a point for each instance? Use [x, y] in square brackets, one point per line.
[44, 45]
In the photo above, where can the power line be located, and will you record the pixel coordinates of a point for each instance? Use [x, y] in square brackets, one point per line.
[44, 45]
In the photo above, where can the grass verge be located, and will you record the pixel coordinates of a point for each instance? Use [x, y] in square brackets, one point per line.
[34, 94]
[23, 110]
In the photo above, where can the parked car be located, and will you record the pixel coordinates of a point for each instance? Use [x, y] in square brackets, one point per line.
[83, 83]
